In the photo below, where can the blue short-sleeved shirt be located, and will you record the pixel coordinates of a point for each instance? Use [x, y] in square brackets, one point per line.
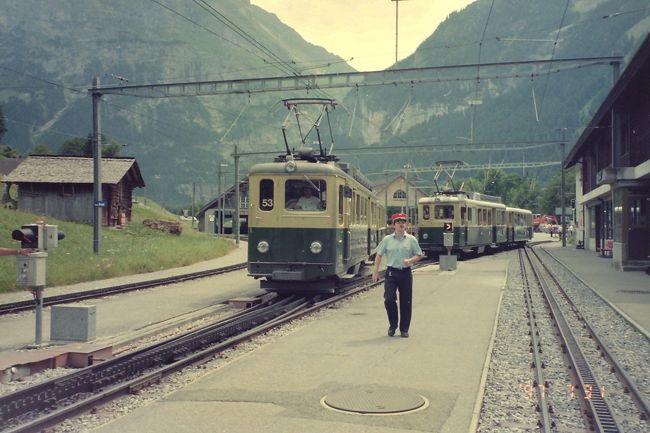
[397, 250]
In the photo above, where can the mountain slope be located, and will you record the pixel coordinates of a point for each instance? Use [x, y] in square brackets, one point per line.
[454, 116]
[50, 52]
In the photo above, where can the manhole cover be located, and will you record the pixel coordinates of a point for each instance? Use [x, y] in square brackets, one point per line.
[374, 401]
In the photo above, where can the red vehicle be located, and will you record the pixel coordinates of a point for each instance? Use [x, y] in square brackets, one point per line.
[540, 220]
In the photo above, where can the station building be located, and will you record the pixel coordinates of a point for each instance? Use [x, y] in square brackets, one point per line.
[612, 160]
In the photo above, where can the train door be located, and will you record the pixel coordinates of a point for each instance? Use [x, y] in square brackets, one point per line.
[462, 228]
[638, 231]
[345, 197]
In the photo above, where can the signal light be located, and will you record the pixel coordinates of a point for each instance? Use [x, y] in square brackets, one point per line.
[38, 236]
[27, 235]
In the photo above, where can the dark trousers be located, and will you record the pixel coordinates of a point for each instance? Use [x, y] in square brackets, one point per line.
[402, 281]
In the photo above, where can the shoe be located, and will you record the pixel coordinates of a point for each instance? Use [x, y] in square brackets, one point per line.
[404, 334]
[391, 332]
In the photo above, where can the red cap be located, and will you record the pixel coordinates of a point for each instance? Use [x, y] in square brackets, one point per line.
[398, 216]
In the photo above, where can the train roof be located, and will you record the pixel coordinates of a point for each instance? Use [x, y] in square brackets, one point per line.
[458, 198]
[301, 167]
[305, 167]
[518, 210]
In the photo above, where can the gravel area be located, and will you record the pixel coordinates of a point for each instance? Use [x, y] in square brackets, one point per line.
[510, 400]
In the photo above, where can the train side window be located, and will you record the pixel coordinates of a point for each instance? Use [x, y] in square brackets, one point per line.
[463, 215]
[444, 212]
[341, 203]
[266, 194]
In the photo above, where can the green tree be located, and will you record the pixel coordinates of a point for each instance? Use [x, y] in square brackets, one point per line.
[75, 147]
[525, 194]
[111, 149]
[550, 197]
[514, 190]
[84, 147]
[41, 149]
[8, 152]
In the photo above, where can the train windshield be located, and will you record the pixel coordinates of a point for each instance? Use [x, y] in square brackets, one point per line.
[443, 212]
[305, 194]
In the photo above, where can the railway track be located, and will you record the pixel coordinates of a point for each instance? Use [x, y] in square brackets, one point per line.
[16, 307]
[612, 392]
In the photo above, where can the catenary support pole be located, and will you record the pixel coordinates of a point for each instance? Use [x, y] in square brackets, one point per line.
[97, 170]
[235, 225]
[562, 192]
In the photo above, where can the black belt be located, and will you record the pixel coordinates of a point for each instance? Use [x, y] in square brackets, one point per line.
[390, 268]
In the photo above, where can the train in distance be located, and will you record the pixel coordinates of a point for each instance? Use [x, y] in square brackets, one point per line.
[479, 223]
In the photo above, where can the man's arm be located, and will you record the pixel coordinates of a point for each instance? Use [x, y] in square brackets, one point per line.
[14, 252]
[375, 268]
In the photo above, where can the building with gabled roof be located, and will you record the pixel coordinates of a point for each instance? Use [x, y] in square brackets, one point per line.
[612, 160]
[399, 194]
[62, 187]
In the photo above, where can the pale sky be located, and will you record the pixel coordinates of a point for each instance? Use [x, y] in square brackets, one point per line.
[364, 29]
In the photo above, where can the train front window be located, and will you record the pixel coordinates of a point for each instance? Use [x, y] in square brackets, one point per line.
[266, 194]
[444, 212]
[305, 194]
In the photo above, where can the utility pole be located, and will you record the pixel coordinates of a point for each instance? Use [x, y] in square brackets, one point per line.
[98, 203]
[221, 201]
[406, 187]
[562, 192]
[235, 224]
[386, 194]
[396, 25]
[193, 200]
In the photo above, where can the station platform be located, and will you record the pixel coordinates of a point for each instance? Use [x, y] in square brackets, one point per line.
[342, 373]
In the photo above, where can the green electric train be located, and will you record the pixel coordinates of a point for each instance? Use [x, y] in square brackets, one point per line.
[313, 221]
[479, 223]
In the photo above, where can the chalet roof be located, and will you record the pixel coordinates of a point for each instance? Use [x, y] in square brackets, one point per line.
[73, 169]
[215, 201]
[637, 67]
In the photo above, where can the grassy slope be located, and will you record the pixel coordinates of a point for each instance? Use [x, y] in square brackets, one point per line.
[135, 249]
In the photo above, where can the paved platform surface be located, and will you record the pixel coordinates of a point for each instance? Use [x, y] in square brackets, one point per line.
[280, 386]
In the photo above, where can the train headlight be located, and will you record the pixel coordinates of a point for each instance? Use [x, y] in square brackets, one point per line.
[290, 166]
[316, 247]
[263, 247]
[425, 236]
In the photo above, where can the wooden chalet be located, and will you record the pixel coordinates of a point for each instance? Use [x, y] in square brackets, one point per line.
[62, 187]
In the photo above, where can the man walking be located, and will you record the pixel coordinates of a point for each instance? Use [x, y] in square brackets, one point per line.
[402, 251]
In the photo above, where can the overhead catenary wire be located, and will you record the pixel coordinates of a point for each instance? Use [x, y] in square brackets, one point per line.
[478, 73]
[550, 64]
